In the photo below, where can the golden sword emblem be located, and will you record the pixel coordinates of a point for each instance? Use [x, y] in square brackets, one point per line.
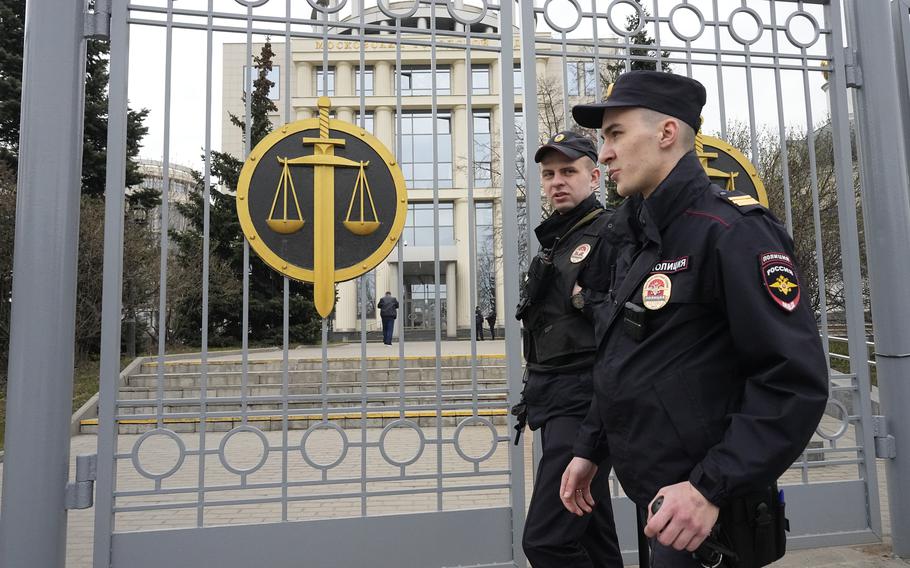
[324, 162]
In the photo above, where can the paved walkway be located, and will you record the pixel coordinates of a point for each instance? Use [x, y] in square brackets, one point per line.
[158, 454]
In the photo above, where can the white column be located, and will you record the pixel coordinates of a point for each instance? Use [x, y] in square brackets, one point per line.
[382, 284]
[393, 288]
[382, 79]
[459, 78]
[382, 123]
[304, 79]
[460, 146]
[501, 308]
[451, 301]
[344, 79]
[345, 113]
[346, 306]
[464, 309]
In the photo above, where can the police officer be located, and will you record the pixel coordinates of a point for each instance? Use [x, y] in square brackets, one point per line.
[559, 350]
[710, 377]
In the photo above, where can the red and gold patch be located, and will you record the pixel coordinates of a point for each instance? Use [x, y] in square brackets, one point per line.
[580, 253]
[655, 294]
[780, 280]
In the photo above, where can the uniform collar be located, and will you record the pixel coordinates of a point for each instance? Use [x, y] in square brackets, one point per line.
[558, 223]
[686, 181]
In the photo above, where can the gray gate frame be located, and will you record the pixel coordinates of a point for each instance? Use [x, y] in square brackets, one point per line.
[471, 534]
[36, 321]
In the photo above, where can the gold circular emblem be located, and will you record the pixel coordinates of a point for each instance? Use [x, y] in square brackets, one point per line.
[559, 138]
[656, 292]
[729, 168]
[322, 201]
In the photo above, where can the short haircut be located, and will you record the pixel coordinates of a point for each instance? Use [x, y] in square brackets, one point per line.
[686, 133]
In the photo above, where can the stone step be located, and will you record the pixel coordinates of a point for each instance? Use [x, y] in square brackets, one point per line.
[274, 389]
[375, 419]
[348, 363]
[220, 377]
[310, 403]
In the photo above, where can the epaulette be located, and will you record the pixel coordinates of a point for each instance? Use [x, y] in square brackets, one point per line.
[743, 202]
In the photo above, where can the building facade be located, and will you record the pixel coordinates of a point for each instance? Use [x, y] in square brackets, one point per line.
[469, 276]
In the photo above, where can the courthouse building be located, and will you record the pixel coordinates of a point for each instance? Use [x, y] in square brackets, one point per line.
[343, 85]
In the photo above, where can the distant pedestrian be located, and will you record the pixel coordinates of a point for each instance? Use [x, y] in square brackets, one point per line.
[491, 321]
[478, 323]
[388, 311]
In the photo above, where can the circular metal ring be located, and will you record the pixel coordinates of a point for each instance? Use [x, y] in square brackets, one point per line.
[409, 424]
[815, 29]
[251, 3]
[134, 455]
[231, 434]
[622, 31]
[450, 4]
[324, 426]
[326, 9]
[385, 9]
[552, 24]
[698, 14]
[460, 428]
[845, 419]
[758, 23]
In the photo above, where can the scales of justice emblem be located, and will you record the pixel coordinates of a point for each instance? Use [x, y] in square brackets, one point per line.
[730, 169]
[287, 205]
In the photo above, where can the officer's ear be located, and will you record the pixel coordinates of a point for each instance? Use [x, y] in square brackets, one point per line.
[668, 133]
[595, 176]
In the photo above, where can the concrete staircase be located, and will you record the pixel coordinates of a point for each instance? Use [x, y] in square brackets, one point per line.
[342, 394]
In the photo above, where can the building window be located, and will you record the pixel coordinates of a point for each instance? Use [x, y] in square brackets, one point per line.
[518, 80]
[417, 141]
[368, 307]
[419, 228]
[367, 121]
[419, 81]
[581, 78]
[274, 76]
[367, 81]
[483, 150]
[486, 266]
[480, 80]
[329, 82]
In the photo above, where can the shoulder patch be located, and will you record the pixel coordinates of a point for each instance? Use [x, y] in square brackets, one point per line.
[742, 201]
[779, 279]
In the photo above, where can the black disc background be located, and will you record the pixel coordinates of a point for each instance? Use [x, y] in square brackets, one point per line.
[297, 248]
[726, 163]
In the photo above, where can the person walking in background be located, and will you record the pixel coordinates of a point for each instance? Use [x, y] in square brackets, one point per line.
[491, 321]
[388, 311]
[478, 323]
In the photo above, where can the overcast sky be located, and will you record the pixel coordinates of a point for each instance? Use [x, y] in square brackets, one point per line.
[188, 70]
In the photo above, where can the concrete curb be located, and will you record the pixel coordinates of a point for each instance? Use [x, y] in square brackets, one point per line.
[90, 408]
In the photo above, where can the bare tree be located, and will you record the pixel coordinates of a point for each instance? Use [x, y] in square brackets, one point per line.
[800, 185]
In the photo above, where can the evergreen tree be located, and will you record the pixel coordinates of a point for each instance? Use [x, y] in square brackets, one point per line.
[12, 17]
[640, 38]
[226, 238]
[94, 146]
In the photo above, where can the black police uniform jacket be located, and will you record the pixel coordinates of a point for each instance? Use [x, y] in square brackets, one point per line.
[728, 381]
[559, 341]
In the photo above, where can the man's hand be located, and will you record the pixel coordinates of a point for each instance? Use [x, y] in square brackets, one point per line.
[685, 518]
[576, 289]
[575, 489]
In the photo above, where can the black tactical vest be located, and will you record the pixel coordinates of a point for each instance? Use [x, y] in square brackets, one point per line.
[557, 336]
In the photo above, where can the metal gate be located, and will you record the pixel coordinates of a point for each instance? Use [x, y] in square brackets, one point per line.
[777, 78]
[407, 474]
[338, 455]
